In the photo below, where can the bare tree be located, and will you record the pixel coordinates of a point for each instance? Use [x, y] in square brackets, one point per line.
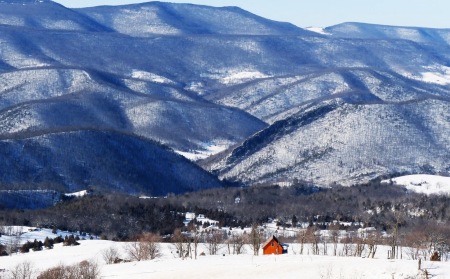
[301, 237]
[134, 251]
[360, 244]
[84, 270]
[181, 243]
[145, 248]
[255, 239]
[229, 242]
[438, 240]
[324, 244]
[151, 245]
[334, 231]
[416, 243]
[194, 239]
[59, 272]
[110, 254]
[14, 240]
[214, 242]
[347, 246]
[313, 237]
[87, 270]
[395, 237]
[23, 270]
[372, 243]
[238, 241]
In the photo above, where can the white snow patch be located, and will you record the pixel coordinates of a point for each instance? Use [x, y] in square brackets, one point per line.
[425, 184]
[437, 74]
[77, 194]
[142, 75]
[437, 77]
[209, 150]
[319, 30]
[236, 76]
[196, 86]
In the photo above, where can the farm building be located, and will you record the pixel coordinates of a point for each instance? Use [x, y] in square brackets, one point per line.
[273, 246]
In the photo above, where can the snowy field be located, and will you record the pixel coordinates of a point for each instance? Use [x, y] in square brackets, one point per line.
[423, 183]
[224, 265]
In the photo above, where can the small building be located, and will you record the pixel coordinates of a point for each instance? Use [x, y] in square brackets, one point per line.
[273, 246]
[190, 216]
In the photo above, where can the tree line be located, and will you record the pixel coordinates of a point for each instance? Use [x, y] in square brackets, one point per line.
[383, 206]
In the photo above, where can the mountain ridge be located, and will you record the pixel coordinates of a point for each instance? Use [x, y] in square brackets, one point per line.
[380, 32]
[177, 19]
[281, 102]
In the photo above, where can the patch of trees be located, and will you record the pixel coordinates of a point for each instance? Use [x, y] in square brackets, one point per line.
[115, 217]
[48, 243]
[121, 217]
[373, 204]
[35, 246]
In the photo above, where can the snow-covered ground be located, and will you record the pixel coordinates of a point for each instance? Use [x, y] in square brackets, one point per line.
[224, 265]
[236, 76]
[32, 233]
[436, 74]
[423, 183]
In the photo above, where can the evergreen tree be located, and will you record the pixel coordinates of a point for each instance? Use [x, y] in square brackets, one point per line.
[48, 243]
[37, 245]
[294, 221]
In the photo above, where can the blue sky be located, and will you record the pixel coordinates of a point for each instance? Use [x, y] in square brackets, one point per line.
[322, 13]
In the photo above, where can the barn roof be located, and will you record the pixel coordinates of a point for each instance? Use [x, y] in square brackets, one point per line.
[276, 239]
[270, 240]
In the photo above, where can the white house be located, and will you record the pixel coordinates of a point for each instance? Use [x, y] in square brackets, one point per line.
[190, 216]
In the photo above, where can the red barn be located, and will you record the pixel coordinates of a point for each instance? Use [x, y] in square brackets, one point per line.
[273, 246]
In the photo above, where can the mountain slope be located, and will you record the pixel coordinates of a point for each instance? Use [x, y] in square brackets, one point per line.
[107, 161]
[344, 143]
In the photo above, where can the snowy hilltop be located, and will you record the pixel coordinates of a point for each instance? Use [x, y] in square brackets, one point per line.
[422, 183]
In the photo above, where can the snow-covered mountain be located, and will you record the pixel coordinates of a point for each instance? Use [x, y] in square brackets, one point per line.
[160, 18]
[345, 105]
[337, 141]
